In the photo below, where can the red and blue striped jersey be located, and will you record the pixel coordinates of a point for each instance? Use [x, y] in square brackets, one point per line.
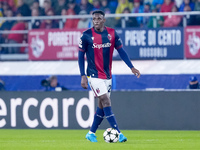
[99, 47]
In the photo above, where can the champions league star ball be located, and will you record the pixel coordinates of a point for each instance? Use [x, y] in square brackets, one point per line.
[111, 135]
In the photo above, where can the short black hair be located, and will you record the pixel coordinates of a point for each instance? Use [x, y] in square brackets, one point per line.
[98, 12]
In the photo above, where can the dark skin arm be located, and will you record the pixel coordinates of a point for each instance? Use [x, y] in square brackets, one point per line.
[84, 82]
[135, 72]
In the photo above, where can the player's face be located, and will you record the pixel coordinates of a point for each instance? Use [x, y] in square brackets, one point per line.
[98, 21]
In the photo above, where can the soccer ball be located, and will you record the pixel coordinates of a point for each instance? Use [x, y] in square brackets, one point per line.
[111, 135]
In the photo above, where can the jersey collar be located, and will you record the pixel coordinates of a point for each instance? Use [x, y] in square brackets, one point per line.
[99, 32]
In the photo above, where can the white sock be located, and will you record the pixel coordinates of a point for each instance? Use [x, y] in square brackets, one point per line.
[90, 132]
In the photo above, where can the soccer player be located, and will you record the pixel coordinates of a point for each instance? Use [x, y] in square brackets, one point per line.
[98, 43]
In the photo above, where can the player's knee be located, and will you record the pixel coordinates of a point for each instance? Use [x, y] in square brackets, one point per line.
[105, 100]
[106, 104]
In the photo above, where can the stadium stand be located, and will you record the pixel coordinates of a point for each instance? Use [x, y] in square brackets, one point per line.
[51, 7]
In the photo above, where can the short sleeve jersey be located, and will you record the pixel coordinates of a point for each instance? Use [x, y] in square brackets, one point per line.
[99, 47]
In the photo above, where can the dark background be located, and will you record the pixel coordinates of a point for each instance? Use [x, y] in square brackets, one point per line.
[145, 110]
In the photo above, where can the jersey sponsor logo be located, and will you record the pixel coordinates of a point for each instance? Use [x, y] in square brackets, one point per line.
[95, 45]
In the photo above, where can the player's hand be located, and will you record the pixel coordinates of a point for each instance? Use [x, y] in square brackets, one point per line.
[84, 82]
[135, 72]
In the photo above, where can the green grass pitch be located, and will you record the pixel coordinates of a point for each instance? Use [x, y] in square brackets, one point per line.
[17, 139]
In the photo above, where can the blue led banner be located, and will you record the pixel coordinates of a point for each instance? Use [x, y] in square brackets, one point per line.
[158, 43]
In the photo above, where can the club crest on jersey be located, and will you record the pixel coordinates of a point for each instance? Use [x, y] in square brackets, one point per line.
[97, 90]
[92, 38]
[109, 37]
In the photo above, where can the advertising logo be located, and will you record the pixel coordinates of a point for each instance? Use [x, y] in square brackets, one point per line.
[47, 112]
[37, 46]
[193, 43]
